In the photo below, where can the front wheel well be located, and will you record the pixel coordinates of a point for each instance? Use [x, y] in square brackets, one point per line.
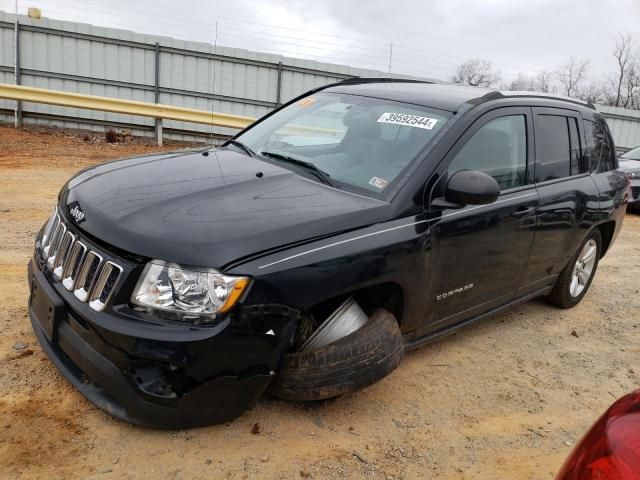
[388, 296]
[606, 230]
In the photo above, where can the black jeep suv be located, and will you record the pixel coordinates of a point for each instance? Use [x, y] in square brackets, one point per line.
[306, 254]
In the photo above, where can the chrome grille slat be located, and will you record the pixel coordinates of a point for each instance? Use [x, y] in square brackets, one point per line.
[103, 288]
[87, 275]
[72, 265]
[81, 270]
[49, 228]
[56, 240]
[48, 237]
[63, 252]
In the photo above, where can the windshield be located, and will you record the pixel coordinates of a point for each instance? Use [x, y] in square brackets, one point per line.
[355, 141]
[632, 154]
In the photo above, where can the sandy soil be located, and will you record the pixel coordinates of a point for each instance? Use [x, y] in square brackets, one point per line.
[504, 399]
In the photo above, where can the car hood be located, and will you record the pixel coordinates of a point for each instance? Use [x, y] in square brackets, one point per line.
[209, 210]
[629, 165]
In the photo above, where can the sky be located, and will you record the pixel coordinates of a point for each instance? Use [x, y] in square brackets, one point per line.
[429, 38]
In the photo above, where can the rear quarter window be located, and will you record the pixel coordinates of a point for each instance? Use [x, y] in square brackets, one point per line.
[600, 151]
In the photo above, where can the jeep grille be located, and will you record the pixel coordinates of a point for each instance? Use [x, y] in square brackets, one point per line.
[80, 269]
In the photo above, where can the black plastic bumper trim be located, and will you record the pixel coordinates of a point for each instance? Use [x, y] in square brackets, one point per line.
[95, 376]
[74, 358]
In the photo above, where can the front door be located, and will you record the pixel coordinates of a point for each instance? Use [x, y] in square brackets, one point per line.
[480, 253]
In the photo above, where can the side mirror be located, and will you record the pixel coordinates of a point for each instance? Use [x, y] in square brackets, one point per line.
[469, 187]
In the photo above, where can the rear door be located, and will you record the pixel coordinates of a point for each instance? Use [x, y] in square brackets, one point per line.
[480, 253]
[568, 194]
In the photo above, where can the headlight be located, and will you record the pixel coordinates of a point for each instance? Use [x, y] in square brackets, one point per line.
[634, 174]
[188, 293]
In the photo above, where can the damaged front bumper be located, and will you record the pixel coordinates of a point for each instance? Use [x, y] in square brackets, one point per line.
[167, 376]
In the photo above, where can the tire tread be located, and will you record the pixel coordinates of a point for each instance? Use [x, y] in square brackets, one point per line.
[349, 364]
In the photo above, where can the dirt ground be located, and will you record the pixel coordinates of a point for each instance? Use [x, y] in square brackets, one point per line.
[504, 399]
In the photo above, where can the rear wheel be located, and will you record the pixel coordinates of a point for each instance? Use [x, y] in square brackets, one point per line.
[344, 366]
[574, 281]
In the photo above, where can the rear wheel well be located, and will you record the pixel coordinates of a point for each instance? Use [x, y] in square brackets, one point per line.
[606, 230]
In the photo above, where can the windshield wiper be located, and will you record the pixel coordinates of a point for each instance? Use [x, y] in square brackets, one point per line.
[321, 174]
[241, 146]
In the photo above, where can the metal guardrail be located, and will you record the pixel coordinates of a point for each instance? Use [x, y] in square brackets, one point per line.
[145, 109]
[117, 105]
[128, 107]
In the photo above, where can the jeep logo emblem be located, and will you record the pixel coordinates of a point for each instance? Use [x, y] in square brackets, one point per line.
[76, 212]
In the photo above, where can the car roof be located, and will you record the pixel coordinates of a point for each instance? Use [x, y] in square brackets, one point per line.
[443, 96]
[635, 151]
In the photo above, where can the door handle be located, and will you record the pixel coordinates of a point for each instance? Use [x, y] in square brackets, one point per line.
[523, 211]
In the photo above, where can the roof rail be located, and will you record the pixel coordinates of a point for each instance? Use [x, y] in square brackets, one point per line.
[516, 93]
[359, 80]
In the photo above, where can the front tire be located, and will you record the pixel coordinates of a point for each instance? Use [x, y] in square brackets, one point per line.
[344, 366]
[574, 281]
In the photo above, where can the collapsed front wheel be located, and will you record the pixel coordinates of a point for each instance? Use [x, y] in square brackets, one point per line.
[574, 281]
[344, 366]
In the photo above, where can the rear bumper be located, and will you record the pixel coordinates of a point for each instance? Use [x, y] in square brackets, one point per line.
[158, 383]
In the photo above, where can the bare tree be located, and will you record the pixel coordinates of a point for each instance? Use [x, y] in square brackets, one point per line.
[623, 55]
[592, 93]
[543, 82]
[520, 83]
[476, 72]
[571, 74]
[621, 87]
[631, 88]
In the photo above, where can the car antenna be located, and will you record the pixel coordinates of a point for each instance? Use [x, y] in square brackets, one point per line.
[213, 89]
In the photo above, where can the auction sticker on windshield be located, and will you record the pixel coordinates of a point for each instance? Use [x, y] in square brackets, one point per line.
[408, 120]
[378, 182]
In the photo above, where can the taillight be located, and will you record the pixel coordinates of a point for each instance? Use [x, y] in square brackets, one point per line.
[611, 448]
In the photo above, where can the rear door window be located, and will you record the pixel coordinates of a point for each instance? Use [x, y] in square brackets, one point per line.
[553, 147]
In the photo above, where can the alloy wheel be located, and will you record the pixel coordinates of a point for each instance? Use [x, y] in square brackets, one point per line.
[583, 268]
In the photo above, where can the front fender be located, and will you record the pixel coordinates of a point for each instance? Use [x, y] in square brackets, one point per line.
[301, 277]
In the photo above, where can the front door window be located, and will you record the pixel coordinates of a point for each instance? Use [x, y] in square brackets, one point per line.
[499, 149]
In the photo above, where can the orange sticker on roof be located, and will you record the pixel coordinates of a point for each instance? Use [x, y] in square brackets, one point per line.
[305, 102]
